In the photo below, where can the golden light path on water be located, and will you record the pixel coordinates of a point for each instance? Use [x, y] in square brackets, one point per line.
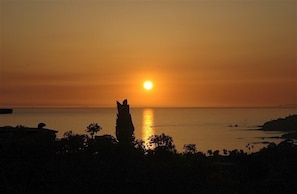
[147, 123]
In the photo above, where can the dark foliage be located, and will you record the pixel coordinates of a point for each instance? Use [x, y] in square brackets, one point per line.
[32, 160]
[93, 128]
[161, 143]
[79, 164]
[124, 125]
[190, 149]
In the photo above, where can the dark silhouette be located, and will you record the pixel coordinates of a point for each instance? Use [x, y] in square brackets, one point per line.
[161, 143]
[20, 133]
[72, 143]
[6, 110]
[292, 135]
[190, 149]
[93, 128]
[288, 123]
[32, 160]
[41, 125]
[124, 124]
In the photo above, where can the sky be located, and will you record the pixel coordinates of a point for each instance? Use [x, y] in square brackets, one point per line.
[198, 53]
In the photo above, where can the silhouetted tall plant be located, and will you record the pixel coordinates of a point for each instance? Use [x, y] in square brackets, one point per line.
[124, 124]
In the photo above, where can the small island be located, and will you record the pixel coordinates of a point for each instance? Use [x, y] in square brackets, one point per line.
[6, 110]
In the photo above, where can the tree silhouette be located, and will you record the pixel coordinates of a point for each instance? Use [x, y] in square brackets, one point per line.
[216, 153]
[209, 152]
[139, 145]
[93, 128]
[225, 151]
[190, 149]
[72, 143]
[124, 124]
[162, 142]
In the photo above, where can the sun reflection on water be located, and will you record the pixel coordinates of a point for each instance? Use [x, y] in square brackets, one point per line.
[147, 123]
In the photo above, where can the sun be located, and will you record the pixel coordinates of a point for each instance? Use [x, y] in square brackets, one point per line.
[148, 85]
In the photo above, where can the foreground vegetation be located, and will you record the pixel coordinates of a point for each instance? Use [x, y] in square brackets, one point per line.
[32, 160]
[37, 162]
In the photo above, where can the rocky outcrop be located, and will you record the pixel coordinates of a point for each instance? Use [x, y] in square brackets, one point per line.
[288, 123]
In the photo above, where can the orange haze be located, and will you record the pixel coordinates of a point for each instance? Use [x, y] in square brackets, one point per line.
[197, 53]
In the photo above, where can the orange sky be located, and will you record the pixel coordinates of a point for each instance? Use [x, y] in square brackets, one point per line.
[197, 52]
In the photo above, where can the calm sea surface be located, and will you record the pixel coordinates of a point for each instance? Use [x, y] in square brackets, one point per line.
[208, 128]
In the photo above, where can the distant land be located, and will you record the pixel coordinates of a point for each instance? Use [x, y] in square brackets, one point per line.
[6, 110]
[287, 124]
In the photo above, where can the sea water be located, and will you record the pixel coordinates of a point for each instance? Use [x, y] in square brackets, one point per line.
[208, 128]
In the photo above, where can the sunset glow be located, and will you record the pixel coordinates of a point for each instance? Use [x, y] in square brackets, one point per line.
[148, 85]
[198, 53]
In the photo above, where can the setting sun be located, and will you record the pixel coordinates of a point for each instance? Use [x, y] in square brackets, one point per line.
[148, 85]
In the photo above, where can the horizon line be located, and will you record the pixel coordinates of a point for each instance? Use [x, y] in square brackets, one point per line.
[97, 107]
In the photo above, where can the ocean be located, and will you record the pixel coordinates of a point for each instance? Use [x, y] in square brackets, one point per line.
[208, 128]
